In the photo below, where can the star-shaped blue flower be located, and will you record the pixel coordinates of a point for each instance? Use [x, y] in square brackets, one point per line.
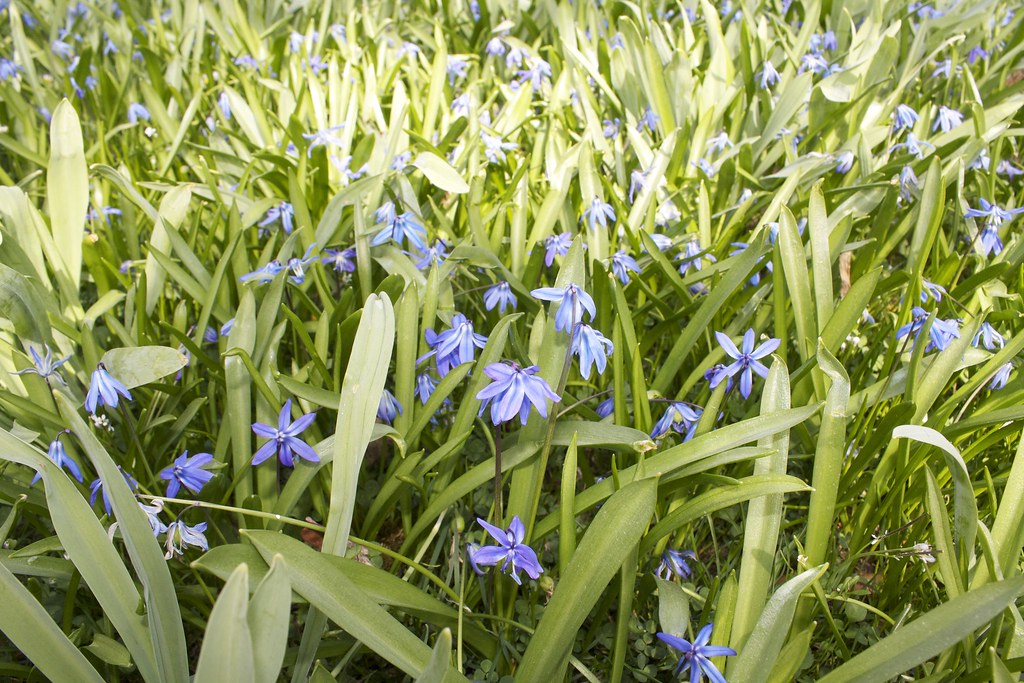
[510, 551]
[746, 362]
[512, 392]
[284, 438]
[697, 655]
[573, 301]
[187, 472]
[104, 389]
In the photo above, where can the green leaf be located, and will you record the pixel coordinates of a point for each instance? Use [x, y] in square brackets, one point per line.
[140, 365]
[269, 617]
[67, 188]
[227, 653]
[440, 660]
[673, 607]
[612, 535]
[928, 635]
[440, 173]
[109, 651]
[25, 304]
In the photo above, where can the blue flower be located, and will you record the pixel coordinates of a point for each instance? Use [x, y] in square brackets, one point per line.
[622, 265]
[598, 213]
[137, 111]
[662, 242]
[1001, 377]
[941, 334]
[403, 226]
[45, 367]
[977, 52]
[210, 335]
[225, 329]
[538, 71]
[947, 119]
[994, 215]
[697, 656]
[556, 245]
[592, 348]
[943, 68]
[648, 120]
[909, 183]
[433, 255]
[297, 265]
[1007, 168]
[97, 486]
[59, 456]
[981, 163]
[283, 212]
[610, 128]
[389, 408]
[152, 513]
[989, 242]
[324, 138]
[606, 407]
[913, 145]
[673, 564]
[494, 148]
[513, 389]
[180, 537]
[264, 274]
[990, 339]
[680, 417]
[453, 346]
[425, 386]
[284, 438]
[930, 289]
[496, 46]
[224, 102]
[746, 362]
[511, 551]
[500, 295]
[342, 260]
[719, 143]
[769, 76]
[693, 256]
[457, 68]
[844, 162]
[187, 472]
[9, 69]
[637, 181]
[104, 389]
[572, 302]
[399, 163]
[903, 117]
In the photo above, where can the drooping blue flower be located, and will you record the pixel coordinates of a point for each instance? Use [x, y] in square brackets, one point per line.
[45, 367]
[746, 361]
[909, 184]
[265, 273]
[606, 407]
[403, 226]
[97, 486]
[389, 408]
[495, 148]
[610, 127]
[556, 245]
[679, 417]
[511, 551]
[622, 265]
[697, 655]
[573, 300]
[693, 256]
[512, 391]
[496, 46]
[813, 62]
[342, 260]
[1001, 377]
[943, 68]
[705, 167]
[283, 212]
[284, 439]
[457, 68]
[500, 295]
[434, 255]
[324, 138]
[913, 145]
[947, 119]
[152, 513]
[425, 386]
[59, 456]
[136, 112]
[989, 338]
[904, 117]
[9, 69]
[180, 537]
[719, 143]
[454, 346]
[104, 389]
[662, 242]
[769, 75]
[648, 120]
[977, 52]
[673, 564]
[598, 213]
[930, 289]
[187, 472]
[536, 73]
[844, 162]
[940, 335]
[592, 347]
[297, 266]
[981, 162]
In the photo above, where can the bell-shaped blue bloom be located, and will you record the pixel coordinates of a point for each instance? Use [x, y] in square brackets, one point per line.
[511, 551]
[680, 417]
[606, 407]
[152, 513]
[673, 564]
[500, 295]
[930, 289]
[746, 361]
[844, 162]
[536, 73]
[989, 338]
[769, 76]
[284, 439]
[264, 274]
[622, 265]
[693, 256]
[454, 346]
[180, 537]
[104, 389]
[59, 456]
[556, 245]
[425, 386]
[610, 127]
[513, 390]
[137, 112]
[903, 117]
[572, 302]
[403, 226]
[45, 367]
[592, 347]
[648, 120]
[989, 241]
[940, 335]
[187, 472]
[947, 119]
[96, 487]
[389, 408]
[342, 260]
[1001, 377]
[598, 214]
[495, 147]
[697, 655]
[433, 255]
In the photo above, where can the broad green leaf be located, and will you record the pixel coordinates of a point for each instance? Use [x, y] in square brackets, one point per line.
[440, 660]
[67, 188]
[25, 304]
[440, 173]
[269, 619]
[227, 653]
[135, 367]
